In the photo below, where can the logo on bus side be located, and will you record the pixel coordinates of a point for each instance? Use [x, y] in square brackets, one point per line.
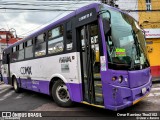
[26, 70]
[65, 59]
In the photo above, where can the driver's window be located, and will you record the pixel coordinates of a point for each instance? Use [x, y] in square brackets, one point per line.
[110, 46]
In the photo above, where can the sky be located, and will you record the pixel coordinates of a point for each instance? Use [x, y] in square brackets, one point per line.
[26, 19]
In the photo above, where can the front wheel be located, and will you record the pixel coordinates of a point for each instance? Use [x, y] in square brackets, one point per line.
[15, 85]
[61, 95]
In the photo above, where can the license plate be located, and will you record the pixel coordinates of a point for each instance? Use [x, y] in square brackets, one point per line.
[144, 90]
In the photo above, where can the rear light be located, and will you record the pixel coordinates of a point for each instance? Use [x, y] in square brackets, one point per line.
[120, 79]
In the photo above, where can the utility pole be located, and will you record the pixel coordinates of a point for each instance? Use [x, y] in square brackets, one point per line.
[110, 2]
[7, 38]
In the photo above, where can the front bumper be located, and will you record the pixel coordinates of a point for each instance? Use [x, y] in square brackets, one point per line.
[125, 97]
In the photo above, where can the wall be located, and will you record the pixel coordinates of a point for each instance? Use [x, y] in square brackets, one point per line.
[129, 5]
[150, 22]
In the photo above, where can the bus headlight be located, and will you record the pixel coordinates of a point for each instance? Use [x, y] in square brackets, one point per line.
[120, 79]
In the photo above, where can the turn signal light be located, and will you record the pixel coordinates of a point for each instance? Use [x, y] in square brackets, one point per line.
[114, 78]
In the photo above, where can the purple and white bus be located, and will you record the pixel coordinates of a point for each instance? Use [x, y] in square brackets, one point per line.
[96, 55]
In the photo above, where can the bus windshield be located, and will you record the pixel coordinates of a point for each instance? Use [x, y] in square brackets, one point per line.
[125, 41]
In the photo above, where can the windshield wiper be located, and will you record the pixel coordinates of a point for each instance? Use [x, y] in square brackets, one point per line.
[133, 57]
[136, 44]
[138, 51]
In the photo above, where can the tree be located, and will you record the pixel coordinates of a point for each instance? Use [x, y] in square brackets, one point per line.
[110, 2]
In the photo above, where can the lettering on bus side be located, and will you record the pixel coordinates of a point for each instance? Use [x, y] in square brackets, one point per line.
[65, 59]
[85, 16]
[26, 70]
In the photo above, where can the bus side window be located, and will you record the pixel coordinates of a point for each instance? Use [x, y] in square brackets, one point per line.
[14, 56]
[20, 52]
[69, 41]
[29, 49]
[56, 40]
[40, 47]
[4, 58]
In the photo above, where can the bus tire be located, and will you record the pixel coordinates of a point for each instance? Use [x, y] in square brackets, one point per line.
[16, 85]
[60, 94]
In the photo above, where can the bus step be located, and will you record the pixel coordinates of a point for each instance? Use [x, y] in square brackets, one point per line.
[98, 95]
[97, 76]
[98, 85]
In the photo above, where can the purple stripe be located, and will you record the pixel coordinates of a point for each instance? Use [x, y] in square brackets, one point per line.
[42, 86]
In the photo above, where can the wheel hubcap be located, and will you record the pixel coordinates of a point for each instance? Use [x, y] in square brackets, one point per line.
[62, 93]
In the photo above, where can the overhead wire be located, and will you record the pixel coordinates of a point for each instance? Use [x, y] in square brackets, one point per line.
[44, 24]
[38, 9]
[35, 9]
[55, 7]
[137, 10]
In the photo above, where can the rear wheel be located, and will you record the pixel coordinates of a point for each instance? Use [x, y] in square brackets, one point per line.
[15, 85]
[61, 95]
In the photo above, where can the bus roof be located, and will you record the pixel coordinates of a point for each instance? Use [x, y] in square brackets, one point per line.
[42, 30]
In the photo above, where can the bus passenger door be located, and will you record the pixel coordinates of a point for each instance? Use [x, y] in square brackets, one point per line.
[6, 69]
[9, 75]
[90, 64]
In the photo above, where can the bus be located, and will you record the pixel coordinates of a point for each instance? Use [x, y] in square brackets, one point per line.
[95, 55]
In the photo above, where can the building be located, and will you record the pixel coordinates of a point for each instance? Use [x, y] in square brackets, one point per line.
[149, 19]
[6, 38]
[130, 6]
[147, 12]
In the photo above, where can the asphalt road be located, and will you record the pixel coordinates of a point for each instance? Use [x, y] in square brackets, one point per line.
[32, 101]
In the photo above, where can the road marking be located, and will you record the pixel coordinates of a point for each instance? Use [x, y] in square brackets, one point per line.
[7, 95]
[150, 95]
[19, 96]
[155, 89]
[156, 94]
[4, 86]
[2, 91]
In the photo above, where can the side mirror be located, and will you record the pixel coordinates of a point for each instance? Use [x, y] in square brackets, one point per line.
[105, 15]
[106, 21]
[107, 28]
